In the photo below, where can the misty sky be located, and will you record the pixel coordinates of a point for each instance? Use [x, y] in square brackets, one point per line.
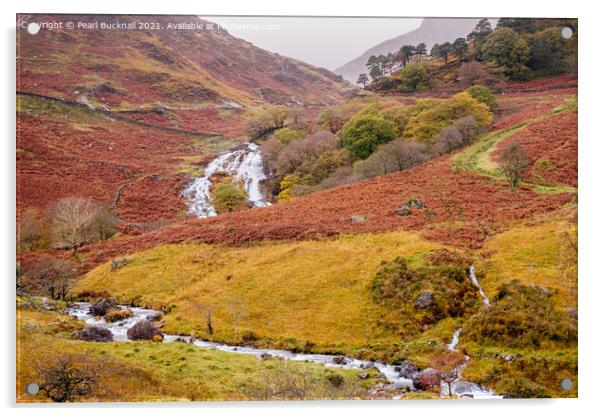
[322, 41]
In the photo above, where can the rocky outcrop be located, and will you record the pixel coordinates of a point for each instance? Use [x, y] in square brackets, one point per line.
[118, 263]
[95, 334]
[102, 306]
[144, 330]
[424, 300]
[407, 370]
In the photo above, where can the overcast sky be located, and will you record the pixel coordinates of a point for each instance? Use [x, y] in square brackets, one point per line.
[322, 41]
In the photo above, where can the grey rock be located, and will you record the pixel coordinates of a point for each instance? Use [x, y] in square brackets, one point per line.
[102, 306]
[95, 334]
[143, 330]
[363, 375]
[424, 300]
[358, 219]
[366, 366]
[407, 369]
[339, 360]
[118, 263]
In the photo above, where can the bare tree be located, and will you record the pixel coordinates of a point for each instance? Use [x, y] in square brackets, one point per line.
[448, 377]
[76, 221]
[514, 163]
[51, 277]
[67, 378]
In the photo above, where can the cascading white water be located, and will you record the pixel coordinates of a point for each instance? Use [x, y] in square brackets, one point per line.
[473, 277]
[466, 388]
[119, 331]
[244, 164]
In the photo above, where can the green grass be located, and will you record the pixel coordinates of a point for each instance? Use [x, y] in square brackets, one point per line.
[477, 157]
[148, 371]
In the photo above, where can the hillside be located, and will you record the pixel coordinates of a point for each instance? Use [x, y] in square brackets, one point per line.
[125, 69]
[195, 213]
[431, 31]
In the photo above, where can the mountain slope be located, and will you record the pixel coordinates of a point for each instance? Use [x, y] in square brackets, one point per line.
[179, 67]
[432, 30]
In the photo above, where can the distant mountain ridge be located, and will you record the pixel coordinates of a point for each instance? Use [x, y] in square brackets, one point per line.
[173, 66]
[431, 31]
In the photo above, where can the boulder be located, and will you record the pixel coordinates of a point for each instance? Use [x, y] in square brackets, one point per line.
[407, 369]
[406, 208]
[403, 211]
[363, 375]
[358, 219]
[157, 316]
[95, 334]
[102, 306]
[117, 263]
[426, 379]
[339, 360]
[424, 300]
[366, 366]
[144, 330]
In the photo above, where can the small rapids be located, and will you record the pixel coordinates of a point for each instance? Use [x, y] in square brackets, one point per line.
[244, 164]
[119, 331]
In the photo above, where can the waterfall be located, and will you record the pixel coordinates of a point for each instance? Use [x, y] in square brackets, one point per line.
[244, 164]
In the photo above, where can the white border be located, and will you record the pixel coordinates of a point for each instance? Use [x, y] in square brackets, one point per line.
[589, 172]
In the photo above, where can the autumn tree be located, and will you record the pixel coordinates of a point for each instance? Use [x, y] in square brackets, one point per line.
[514, 163]
[261, 121]
[51, 277]
[364, 132]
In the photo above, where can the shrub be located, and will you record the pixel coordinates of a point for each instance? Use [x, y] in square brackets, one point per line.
[398, 114]
[261, 121]
[474, 72]
[286, 135]
[459, 134]
[334, 118]
[427, 123]
[362, 134]
[484, 95]
[414, 78]
[521, 316]
[67, 378]
[397, 285]
[287, 185]
[114, 315]
[228, 196]
[392, 157]
[514, 162]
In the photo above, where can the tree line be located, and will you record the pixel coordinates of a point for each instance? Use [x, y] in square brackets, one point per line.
[521, 48]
